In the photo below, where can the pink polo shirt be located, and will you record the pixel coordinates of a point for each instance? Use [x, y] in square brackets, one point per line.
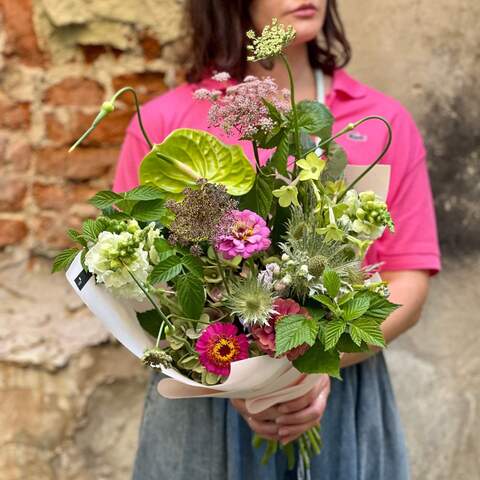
[413, 246]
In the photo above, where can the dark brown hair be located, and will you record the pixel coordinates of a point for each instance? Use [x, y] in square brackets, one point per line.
[218, 38]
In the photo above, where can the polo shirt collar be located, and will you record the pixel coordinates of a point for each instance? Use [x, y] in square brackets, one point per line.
[342, 82]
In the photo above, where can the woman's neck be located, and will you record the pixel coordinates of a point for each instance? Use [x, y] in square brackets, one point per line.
[303, 73]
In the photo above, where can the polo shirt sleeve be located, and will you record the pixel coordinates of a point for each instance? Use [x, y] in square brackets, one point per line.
[414, 244]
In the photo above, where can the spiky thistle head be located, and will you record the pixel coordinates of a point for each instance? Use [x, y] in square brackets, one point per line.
[252, 301]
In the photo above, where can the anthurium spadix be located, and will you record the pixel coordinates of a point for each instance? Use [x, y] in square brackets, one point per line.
[188, 155]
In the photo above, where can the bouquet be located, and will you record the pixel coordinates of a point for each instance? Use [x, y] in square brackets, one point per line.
[236, 281]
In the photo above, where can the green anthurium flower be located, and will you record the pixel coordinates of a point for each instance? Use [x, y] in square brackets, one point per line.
[311, 167]
[287, 195]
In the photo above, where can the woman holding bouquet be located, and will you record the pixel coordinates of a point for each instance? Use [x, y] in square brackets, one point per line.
[211, 438]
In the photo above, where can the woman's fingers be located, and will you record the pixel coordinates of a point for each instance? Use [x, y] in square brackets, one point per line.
[269, 414]
[292, 432]
[307, 399]
[312, 413]
[264, 429]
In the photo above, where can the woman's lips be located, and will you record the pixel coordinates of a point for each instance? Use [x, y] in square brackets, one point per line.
[304, 11]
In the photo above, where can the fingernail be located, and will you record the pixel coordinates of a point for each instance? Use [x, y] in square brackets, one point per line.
[280, 420]
[283, 432]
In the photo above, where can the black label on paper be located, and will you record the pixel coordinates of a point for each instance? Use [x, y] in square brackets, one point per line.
[82, 279]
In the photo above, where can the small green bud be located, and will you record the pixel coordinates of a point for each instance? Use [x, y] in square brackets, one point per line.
[108, 107]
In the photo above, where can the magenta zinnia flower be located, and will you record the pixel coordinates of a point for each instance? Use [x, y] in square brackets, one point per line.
[265, 335]
[219, 346]
[247, 234]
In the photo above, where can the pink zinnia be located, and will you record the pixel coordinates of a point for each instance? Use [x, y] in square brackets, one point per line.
[247, 234]
[265, 335]
[219, 346]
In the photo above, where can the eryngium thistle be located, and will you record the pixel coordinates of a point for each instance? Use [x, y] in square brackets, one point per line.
[252, 301]
[156, 357]
[202, 214]
[274, 38]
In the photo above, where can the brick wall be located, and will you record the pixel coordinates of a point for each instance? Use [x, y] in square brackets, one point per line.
[60, 61]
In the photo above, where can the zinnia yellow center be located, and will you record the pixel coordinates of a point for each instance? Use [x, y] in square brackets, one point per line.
[242, 231]
[224, 350]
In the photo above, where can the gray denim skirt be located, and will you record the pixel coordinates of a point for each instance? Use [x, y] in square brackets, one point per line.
[207, 439]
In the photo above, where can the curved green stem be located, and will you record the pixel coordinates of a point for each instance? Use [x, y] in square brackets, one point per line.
[380, 156]
[257, 156]
[109, 107]
[294, 107]
[220, 271]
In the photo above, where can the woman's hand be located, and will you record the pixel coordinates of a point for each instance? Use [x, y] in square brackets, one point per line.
[287, 421]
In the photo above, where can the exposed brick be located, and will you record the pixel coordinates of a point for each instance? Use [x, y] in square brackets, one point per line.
[14, 115]
[21, 38]
[75, 91]
[61, 197]
[92, 52]
[147, 85]
[150, 46]
[17, 156]
[111, 130]
[12, 194]
[81, 164]
[50, 231]
[12, 231]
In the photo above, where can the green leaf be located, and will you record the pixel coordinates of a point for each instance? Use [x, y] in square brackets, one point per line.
[331, 281]
[150, 321]
[187, 155]
[162, 245]
[63, 260]
[347, 297]
[190, 295]
[280, 156]
[317, 360]
[380, 307]
[292, 331]
[193, 264]
[166, 270]
[144, 192]
[347, 345]
[114, 213]
[76, 237]
[368, 330]
[332, 332]
[259, 198]
[337, 161]
[149, 211]
[91, 229]
[355, 308]
[105, 199]
[324, 300]
[315, 118]
[275, 115]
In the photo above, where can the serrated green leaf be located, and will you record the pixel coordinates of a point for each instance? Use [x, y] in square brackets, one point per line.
[380, 307]
[347, 297]
[347, 345]
[368, 330]
[149, 211]
[193, 264]
[63, 260]
[315, 118]
[105, 199]
[190, 295]
[76, 237]
[114, 214]
[275, 115]
[166, 270]
[187, 155]
[324, 300]
[331, 281]
[144, 192]
[292, 331]
[259, 198]
[332, 332]
[91, 229]
[355, 308]
[317, 360]
[162, 245]
[150, 321]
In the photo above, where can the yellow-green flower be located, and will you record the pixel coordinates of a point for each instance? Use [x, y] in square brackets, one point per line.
[311, 166]
[287, 195]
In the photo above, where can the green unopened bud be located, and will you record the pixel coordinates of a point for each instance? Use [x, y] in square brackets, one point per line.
[316, 265]
[367, 196]
[360, 213]
[108, 107]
